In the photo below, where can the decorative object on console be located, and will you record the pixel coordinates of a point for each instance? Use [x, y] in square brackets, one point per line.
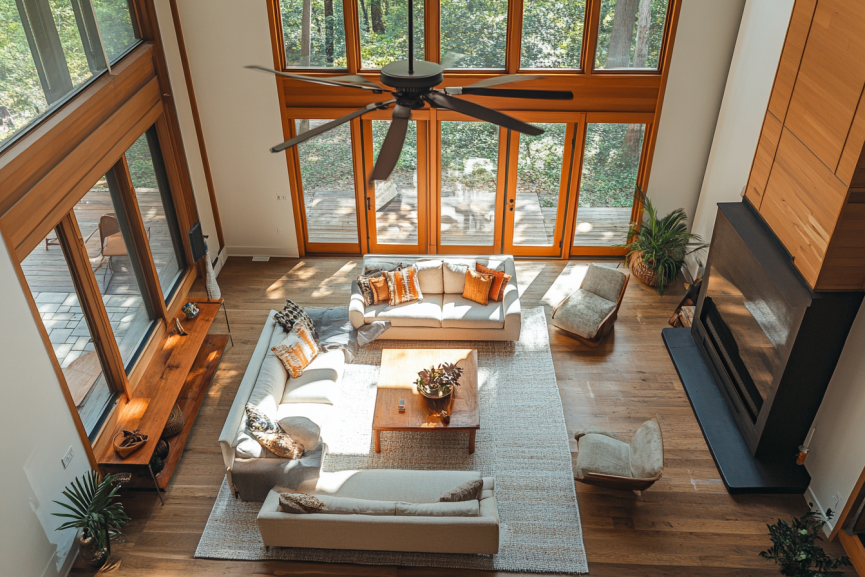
[156, 465]
[438, 382]
[179, 328]
[589, 313]
[162, 449]
[210, 284]
[297, 350]
[176, 422]
[500, 281]
[478, 286]
[794, 547]
[403, 286]
[299, 503]
[125, 442]
[96, 513]
[657, 251]
[468, 491]
[190, 310]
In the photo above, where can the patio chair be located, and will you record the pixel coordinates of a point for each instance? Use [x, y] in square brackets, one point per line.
[588, 314]
[111, 242]
[604, 459]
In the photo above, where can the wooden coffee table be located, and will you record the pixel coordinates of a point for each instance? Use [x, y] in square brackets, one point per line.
[399, 369]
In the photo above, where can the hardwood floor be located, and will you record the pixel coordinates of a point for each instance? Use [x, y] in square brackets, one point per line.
[686, 524]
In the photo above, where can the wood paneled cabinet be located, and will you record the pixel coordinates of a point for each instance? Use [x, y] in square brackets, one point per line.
[808, 176]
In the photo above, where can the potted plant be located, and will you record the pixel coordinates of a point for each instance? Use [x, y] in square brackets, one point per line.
[658, 247]
[795, 550]
[438, 382]
[93, 510]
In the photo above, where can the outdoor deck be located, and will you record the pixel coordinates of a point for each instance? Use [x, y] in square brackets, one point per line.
[465, 220]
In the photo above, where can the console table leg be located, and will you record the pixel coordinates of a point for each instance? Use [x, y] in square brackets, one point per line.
[155, 484]
[377, 436]
[471, 442]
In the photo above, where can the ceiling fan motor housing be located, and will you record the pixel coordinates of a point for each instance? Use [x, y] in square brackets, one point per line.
[426, 76]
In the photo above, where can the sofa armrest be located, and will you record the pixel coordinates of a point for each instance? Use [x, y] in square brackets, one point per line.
[511, 302]
[356, 306]
[236, 415]
[583, 431]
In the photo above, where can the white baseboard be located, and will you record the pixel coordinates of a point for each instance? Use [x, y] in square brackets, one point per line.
[271, 251]
[70, 559]
[814, 502]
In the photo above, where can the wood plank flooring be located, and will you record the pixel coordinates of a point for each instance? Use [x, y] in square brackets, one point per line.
[685, 525]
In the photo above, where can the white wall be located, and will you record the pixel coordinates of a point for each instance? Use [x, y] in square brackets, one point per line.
[240, 119]
[187, 125]
[705, 39]
[837, 455]
[749, 84]
[36, 429]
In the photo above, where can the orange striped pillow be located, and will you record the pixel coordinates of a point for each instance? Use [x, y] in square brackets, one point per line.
[478, 286]
[403, 286]
[380, 292]
[297, 350]
[497, 290]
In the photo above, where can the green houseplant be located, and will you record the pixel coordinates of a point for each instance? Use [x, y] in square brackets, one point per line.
[795, 550]
[658, 247]
[93, 508]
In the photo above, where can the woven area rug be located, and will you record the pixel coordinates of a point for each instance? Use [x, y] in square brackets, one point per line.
[522, 442]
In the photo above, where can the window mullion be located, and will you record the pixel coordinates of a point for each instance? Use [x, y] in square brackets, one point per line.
[590, 35]
[514, 36]
[69, 235]
[352, 35]
[432, 30]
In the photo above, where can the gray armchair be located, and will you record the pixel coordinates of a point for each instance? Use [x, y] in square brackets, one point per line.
[589, 313]
[604, 459]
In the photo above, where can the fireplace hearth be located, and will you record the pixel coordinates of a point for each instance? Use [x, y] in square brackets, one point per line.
[760, 354]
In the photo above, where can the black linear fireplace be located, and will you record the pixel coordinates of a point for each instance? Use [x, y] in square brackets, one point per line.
[760, 354]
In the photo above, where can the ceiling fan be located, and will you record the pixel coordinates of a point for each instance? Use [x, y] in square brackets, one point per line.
[413, 83]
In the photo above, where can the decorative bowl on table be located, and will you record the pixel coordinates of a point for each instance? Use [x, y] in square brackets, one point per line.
[438, 382]
[126, 442]
[190, 310]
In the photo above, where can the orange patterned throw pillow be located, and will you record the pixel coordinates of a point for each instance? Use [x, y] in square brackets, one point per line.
[380, 292]
[478, 286]
[403, 286]
[297, 350]
[497, 290]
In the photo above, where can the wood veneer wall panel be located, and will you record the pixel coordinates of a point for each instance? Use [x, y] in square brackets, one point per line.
[791, 57]
[763, 159]
[801, 204]
[849, 167]
[844, 265]
[830, 80]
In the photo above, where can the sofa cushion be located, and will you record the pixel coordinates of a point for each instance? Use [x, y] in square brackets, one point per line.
[302, 429]
[468, 491]
[297, 350]
[377, 264]
[299, 503]
[348, 506]
[454, 274]
[246, 447]
[403, 286]
[430, 274]
[318, 382]
[604, 281]
[501, 280]
[478, 286]
[457, 509]
[582, 313]
[425, 313]
[647, 450]
[388, 484]
[270, 385]
[461, 313]
[604, 455]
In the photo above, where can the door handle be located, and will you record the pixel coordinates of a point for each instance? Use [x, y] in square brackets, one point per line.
[367, 203]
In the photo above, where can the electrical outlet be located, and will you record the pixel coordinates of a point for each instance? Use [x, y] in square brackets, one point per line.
[67, 457]
[281, 197]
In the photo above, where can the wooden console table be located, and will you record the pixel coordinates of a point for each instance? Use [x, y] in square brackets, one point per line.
[179, 373]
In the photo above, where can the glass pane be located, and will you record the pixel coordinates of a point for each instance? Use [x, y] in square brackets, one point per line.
[327, 173]
[116, 25]
[539, 171]
[50, 282]
[610, 165]
[313, 33]
[33, 81]
[396, 197]
[157, 211]
[474, 33]
[469, 157]
[552, 33]
[384, 32]
[105, 231]
[630, 33]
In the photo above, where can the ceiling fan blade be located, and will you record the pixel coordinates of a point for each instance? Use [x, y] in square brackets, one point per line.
[515, 93]
[388, 156]
[314, 80]
[327, 126]
[354, 79]
[499, 80]
[440, 100]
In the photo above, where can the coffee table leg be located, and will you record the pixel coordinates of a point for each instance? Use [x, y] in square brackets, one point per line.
[471, 441]
[377, 437]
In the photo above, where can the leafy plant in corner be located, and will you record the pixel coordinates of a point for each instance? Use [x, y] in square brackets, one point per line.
[795, 550]
[93, 508]
[661, 244]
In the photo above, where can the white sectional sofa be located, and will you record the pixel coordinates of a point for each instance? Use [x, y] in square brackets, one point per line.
[443, 313]
[267, 386]
[382, 530]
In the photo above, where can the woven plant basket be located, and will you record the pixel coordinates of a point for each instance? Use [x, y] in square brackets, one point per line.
[175, 423]
[641, 270]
